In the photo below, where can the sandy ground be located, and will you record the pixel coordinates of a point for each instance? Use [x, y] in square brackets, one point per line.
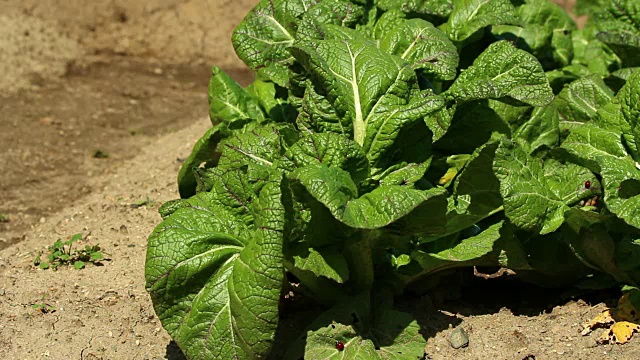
[128, 79]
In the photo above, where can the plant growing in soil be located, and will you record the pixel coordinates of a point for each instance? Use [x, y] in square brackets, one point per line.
[63, 253]
[384, 142]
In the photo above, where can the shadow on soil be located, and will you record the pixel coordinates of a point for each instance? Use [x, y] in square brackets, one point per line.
[174, 352]
[441, 307]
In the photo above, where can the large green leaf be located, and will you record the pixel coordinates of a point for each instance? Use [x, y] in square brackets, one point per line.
[406, 175]
[541, 130]
[317, 115]
[531, 200]
[424, 47]
[502, 70]
[368, 87]
[395, 336]
[215, 283]
[335, 189]
[476, 191]
[469, 16]
[445, 254]
[579, 101]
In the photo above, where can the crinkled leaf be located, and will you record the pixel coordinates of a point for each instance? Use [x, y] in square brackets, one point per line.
[529, 200]
[579, 101]
[439, 8]
[330, 149]
[388, 22]
[621, 181]
[424, 47]
[469, 16]
[503, 70]
[407, 175]
[318, 115]
[321, 344]
[610, 117]
[233, 191]
[215, 284]
[619, 26]
[476, 191]
[591, 146]
[445, 254]
[259, 147]
[335, 189]
[629, 98]
[439, 122]
[566, 181]
[229, 103]
[262, 38]
[337, 12]
[203, 151]
[603, 152]
[541, 130]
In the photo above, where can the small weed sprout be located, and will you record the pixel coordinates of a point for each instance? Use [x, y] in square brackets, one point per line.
[63, 253]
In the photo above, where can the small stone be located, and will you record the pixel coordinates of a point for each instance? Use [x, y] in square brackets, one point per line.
[459, 338]
[158, 71]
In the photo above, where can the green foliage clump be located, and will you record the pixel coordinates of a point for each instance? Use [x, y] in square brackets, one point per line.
[384, 141]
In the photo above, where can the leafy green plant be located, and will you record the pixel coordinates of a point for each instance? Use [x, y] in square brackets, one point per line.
[386, 141]
[63, 253]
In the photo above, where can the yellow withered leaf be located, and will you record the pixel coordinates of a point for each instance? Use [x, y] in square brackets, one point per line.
[622, 322]
[619, 333]
[602, 320]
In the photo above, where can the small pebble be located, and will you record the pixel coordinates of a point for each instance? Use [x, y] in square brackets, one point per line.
[459, 338]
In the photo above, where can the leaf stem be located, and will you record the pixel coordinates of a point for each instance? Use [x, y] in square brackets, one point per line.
[360, 259]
